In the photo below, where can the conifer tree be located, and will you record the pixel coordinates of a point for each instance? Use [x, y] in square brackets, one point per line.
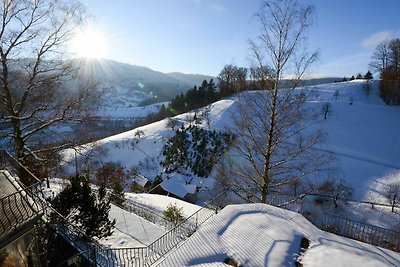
[368, 76]
[84, 208]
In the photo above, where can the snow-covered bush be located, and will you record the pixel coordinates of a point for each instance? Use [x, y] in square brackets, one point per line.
[174, 214]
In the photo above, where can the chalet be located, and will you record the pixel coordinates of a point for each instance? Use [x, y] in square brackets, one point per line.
[141, 183]
[177, 188]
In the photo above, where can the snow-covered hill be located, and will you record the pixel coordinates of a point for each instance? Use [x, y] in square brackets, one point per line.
[361, 132]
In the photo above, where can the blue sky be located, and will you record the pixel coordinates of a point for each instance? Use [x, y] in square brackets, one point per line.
[201, 36]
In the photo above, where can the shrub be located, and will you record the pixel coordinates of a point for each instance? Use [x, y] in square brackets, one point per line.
[174, 214]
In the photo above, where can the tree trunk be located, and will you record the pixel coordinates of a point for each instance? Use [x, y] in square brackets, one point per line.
[394, 202]
[19, 141]
[271, 132]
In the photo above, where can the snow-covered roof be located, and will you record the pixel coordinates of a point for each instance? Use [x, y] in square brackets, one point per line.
[8, 184]
[178, 186]
[262, 235]
[140, 180]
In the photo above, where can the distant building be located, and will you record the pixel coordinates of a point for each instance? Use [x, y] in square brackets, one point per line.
[176, 187]
[141, 183]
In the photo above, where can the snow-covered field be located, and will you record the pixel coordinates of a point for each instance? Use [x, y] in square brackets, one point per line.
[361, 133]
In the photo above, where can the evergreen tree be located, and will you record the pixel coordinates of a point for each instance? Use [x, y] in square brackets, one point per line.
[368, 76]
[174, 214]
[211, 92]
[117, 197]
[84, 208]
[195, 148]
[157, 180]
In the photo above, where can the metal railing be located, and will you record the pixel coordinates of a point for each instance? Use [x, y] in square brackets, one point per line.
[180, 232]
[18, 208]
[148, 255]
[363, 232]
[147, 213]
[15, 167]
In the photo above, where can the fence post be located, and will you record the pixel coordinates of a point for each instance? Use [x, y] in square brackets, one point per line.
[197, 220]
[94, 255]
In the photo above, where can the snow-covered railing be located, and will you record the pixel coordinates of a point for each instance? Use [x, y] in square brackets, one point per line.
[148, 255]
[30, 202]
[15, 167]
[363, 232]
[146, 213]
[183, 230]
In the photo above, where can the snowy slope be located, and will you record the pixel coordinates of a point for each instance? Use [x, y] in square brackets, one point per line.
[363, 137]
[262, 235]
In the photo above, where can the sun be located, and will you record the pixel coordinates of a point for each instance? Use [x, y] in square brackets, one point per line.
[89, 43]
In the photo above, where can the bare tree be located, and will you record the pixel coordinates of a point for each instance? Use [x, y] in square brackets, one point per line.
[336, 94]
[326, 109]
[337, 190]
[380, 57]
[259, 77]
[172, 123]
[33, 75]
[232, 79]
[392, 193]
[386, 59]
[394, 54]
[271, 145]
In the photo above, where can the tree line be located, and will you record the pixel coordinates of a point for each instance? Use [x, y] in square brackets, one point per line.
[232, 79]
[386, 61]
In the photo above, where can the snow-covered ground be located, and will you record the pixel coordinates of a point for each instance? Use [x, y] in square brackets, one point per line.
[130, 229]
[159, 203]
[262, 235]
[361, 133]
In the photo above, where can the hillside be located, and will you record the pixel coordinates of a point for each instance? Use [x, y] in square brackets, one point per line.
[361, 133]
[124, 80]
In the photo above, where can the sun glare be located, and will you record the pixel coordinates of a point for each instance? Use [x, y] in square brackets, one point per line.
[89, 43]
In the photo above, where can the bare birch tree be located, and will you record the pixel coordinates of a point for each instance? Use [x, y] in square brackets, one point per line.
[33, 74]
[380, 57]
[274, 147]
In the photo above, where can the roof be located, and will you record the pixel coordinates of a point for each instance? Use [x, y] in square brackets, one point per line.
[262, 235]
[178, 187]
[140, 180]
[18, 209]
